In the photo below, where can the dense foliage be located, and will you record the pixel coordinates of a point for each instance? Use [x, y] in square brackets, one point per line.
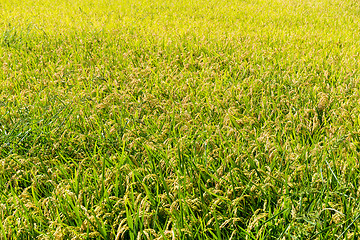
[203, 119]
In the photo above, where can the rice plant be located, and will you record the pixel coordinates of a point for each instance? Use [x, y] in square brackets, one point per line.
[202, 119]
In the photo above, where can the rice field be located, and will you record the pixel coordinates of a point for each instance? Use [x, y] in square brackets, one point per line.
[186, 119]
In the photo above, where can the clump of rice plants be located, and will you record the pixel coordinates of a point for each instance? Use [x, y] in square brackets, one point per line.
[179, 119]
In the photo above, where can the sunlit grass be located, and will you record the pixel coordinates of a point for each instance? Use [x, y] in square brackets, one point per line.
[179, 119]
